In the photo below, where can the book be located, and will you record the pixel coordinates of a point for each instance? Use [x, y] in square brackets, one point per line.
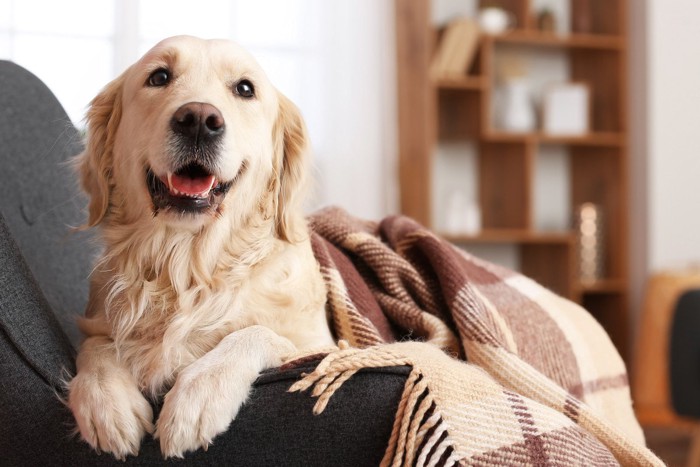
[456, 49]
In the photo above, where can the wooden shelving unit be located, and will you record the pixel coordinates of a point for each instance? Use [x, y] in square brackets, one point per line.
[459, 109]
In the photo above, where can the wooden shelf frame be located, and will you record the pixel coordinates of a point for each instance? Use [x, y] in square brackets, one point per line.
[570, 41]
[521, 236]
[466, 83]
[603, 286]
[602, 139]
[459, 108]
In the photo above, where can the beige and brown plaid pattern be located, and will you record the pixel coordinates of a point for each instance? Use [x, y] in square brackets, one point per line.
[542, 383]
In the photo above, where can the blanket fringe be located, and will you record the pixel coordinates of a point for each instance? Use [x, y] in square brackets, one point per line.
[419, 434]
[338, 367]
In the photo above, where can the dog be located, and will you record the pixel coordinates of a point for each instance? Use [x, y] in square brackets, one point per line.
[195, 167]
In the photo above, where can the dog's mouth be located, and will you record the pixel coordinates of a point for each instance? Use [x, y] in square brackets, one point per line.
[192, 189]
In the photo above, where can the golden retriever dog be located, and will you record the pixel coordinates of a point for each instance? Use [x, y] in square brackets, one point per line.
[195, 167]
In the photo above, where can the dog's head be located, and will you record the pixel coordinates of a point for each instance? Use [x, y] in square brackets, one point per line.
[191, 133]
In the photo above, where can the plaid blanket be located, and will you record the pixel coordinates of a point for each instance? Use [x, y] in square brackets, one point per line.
[504, 372]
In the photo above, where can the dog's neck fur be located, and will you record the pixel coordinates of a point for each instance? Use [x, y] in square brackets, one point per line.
[155, 270]
[153, 249]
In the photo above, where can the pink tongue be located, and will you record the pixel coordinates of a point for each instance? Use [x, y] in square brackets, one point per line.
[191, 186]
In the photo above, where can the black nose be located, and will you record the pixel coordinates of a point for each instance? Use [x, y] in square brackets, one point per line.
[198, 120]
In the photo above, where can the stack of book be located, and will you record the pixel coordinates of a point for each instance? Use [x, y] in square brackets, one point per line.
[456, 49]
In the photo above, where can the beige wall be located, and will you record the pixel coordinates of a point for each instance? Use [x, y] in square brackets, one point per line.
[665, 145]
[673, 118]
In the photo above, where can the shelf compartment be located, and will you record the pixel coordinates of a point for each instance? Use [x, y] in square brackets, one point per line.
[505, 185]
[597, 177]
[604, 72]
[550, 265]
[603, 16]
[610, 310]
[459, 115]
[594, 17]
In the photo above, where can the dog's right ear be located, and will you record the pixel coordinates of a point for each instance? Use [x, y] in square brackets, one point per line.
[291, 163]
[94, 164]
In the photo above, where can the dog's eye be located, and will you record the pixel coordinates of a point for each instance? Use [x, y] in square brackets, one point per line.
[245, 88]
[158, 78]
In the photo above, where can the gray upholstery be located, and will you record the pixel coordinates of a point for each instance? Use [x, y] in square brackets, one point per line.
[26, 318]
[44, 275]
[39, 197]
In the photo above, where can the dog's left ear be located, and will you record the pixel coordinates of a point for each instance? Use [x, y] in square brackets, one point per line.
[291, 160]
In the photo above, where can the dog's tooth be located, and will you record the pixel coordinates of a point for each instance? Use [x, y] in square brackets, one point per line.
[170, 179]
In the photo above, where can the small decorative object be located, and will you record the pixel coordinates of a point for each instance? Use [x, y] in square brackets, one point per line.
[494, 20]
[546, 21]
[514, 109]
[566, 110]
[589, 233]
[517, 113]
[463, 216]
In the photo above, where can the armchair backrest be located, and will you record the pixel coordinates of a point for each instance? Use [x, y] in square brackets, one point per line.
[39, 195]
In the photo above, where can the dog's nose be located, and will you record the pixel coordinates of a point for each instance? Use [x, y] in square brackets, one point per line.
[197, 119]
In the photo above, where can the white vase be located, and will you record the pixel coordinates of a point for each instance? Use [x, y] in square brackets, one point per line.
[516, 112]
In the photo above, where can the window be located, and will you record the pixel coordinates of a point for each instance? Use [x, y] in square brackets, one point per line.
[334, 59]
[73, 56]
[94, 41]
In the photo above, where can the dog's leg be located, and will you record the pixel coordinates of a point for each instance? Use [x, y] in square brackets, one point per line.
[111, 412]
[208, 393]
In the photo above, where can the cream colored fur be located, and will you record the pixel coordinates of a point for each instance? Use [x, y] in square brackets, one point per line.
[191, 307]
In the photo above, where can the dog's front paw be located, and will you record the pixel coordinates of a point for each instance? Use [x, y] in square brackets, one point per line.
[113, 416]
[199, 406]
